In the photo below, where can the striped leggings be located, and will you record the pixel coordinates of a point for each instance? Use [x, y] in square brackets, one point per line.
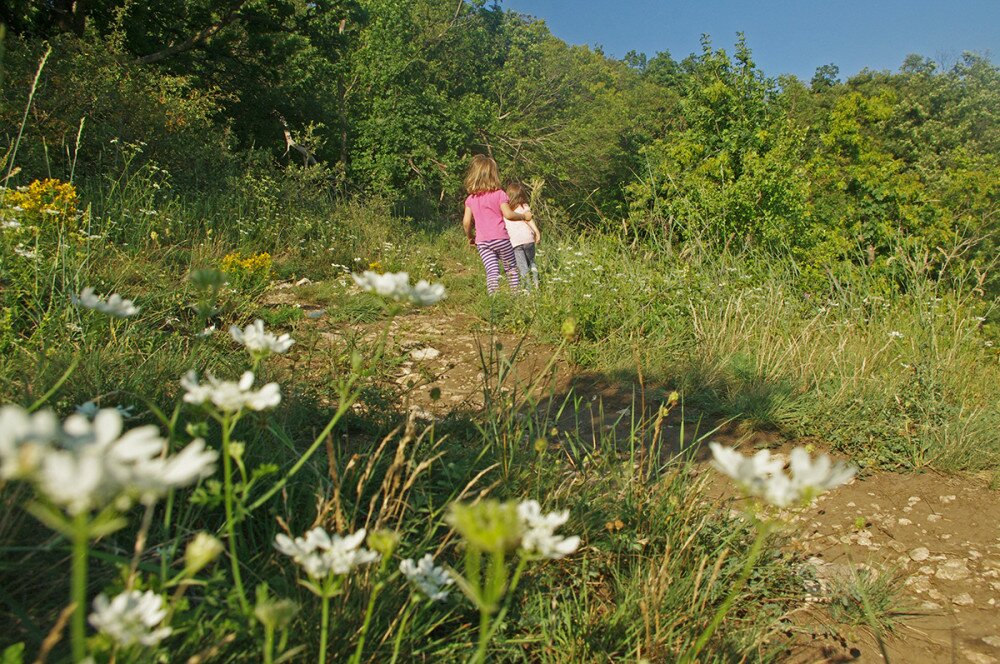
[493, 252]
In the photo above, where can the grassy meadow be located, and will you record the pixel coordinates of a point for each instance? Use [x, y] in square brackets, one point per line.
[154, 514]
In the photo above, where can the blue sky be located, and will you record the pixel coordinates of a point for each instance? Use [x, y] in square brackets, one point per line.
[786, 36]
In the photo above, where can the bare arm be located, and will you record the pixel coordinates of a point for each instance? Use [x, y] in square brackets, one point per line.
[508, 213]
[534, 229]
[467, 223]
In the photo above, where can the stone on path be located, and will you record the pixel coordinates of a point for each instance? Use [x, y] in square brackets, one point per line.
[919, 554]
[952, 570]
[965, 599]
[424, 353]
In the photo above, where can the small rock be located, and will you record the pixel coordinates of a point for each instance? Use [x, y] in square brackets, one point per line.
[974, 657]
[919, 584]
[930, 606]
[965, 599]
[304, 281]
[946, 499]
[936, 595]
[992, 641]
[919, 554]
[952, 570]
[913, 499]
[933, 517]
[424, 353]
[904, 522]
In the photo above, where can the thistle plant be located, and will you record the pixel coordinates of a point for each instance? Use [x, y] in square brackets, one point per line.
[762, 480]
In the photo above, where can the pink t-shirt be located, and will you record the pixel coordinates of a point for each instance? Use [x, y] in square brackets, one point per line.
[489, 218]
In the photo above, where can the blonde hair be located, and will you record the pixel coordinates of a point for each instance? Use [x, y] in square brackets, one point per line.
[482, 175]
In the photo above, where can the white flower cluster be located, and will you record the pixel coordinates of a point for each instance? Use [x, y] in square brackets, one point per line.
[762, 476]
[229, 396]
[85, 465]
[430, 579]
[115, 305]
[320, 555]
[538, 537]
[131, 618]
[258, 342]
[397, 287]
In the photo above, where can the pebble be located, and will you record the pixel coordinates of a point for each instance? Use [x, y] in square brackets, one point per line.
[946, 499]
[919, 554]
[974, 657]
[933, 517]
[965, 599]
[992, 641]
[904, 522]
[424, 353]
[952, 570]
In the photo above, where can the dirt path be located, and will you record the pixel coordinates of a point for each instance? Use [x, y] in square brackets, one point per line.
[938, 533]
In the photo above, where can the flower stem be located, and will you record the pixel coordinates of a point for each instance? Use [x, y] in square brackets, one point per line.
[356, 657]
[227, 475]
[400, 631]
[692, 654]
[78, 594]
[268, 644]
[324, 626]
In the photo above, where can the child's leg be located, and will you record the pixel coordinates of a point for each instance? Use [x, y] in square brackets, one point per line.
[506, 251]
[492, 266]
[521, 258]
[529, 255]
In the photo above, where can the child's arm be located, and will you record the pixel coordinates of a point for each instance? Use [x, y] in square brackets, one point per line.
[467, 225]
[534, 229]
[508, 213]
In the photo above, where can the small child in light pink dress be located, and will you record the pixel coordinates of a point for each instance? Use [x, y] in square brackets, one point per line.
[523, 235]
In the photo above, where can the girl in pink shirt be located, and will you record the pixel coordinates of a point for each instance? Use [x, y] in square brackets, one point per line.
[487, 205]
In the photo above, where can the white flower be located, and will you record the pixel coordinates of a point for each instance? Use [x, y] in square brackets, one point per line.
[320, 555]
[207, 332]
[24, 253]
[10, 223]
[89, 462]
[752, 474]
[425, 293]
[131, 618]
[24, 440]
[115, 305]
[397, 287]
[258, 342]
[811, 478]
[430, 579]
[392, 285]
[762, 476]
[539, 536]
[153, 478]
[895, 335]
[228, 396]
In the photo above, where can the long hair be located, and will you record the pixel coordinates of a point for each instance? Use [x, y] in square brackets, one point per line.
[482, 175]
[517, 193]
